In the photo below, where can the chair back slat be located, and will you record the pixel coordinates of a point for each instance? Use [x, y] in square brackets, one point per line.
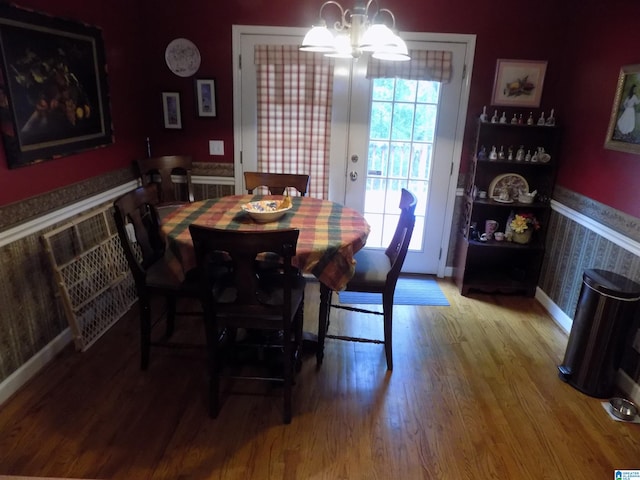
[138, 209]
[397, 249]
[243, 247]
[276, 182]
[160, 170]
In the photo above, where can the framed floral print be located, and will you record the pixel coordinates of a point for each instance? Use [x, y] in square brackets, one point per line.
[518, 83]
[54, 98]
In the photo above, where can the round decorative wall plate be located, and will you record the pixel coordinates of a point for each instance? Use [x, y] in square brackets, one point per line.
[182, 57]
[511, 182]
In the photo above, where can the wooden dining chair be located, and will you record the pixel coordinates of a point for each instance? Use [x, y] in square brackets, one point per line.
[246, 298]
[162, 170]
[377, 271]
[276, 182]
[138, 225]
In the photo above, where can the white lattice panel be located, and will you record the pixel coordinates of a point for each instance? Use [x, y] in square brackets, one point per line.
[92, 274]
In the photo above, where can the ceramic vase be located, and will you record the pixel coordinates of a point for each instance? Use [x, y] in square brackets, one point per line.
[522, 238]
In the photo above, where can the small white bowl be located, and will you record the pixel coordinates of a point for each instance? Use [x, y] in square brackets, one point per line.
[526, 198]
[265, 211]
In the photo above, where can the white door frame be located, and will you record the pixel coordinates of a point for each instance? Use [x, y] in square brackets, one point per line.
[337, 189]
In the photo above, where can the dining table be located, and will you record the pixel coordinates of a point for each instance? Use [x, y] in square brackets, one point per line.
[330, 236]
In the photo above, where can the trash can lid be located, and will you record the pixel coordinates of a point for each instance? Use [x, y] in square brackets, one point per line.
[611, 283]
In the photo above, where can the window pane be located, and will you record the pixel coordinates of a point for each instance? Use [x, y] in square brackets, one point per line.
[399, 159]
[428, 92]
[380, 120]
[425, 125]
[383, 88]
[378, 158]
[406, 90]
[402, 122]
[421, 161]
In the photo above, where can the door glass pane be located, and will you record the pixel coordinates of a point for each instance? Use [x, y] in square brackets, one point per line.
[401, 136]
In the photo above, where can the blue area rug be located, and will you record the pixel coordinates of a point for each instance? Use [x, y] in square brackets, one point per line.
[409, 291]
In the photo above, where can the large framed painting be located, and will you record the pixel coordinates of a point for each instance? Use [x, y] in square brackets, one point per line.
[623, 133]
[518, 83]
[54, 99]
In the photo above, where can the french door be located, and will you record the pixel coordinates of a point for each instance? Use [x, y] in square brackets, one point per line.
[386, 134]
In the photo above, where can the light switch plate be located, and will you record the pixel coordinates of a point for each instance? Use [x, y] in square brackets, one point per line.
[216, 147]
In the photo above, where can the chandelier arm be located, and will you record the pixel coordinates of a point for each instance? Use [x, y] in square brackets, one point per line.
[390, 13]
[339, 24]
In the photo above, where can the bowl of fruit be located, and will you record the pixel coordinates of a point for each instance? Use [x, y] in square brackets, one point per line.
[265, 211]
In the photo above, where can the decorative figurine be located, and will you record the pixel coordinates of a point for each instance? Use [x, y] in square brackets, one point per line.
[541, 119]
[530, 119]
[494, 119]
[514, 120]
[550, 120]
[510, 153]
[483, 115]
[482, 154]
[527, 157]
[520, 154]
[501, 155]
[520, 120]
[493, 155]
[503, 118]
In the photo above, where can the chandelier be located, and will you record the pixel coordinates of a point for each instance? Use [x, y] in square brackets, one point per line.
[356, 31]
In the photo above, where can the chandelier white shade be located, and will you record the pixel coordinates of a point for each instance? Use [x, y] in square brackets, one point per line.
[357, 30]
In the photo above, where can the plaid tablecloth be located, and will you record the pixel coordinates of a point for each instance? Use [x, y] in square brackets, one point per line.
[330, 234]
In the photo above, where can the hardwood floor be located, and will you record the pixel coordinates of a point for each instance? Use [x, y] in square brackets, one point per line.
[474, 395]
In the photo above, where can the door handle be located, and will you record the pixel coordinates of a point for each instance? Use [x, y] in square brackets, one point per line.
[353, 176]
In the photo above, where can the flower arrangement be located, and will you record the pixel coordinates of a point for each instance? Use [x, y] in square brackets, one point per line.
[524, 221]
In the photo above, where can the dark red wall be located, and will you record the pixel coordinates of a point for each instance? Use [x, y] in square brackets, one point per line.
[119, 20]
[585, 43]
[603, 37]
[503, 31]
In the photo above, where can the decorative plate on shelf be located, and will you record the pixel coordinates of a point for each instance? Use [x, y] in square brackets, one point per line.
[182, 57]
[511, 182]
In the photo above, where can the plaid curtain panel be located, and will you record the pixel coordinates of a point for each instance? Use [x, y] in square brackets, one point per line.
[295, 93]
[433, 65]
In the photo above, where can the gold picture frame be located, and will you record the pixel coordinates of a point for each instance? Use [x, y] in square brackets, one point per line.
[623, 133]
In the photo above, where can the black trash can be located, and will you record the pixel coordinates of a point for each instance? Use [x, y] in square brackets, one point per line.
[605, 311]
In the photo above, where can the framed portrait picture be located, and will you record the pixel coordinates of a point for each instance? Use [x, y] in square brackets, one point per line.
[54, 99]
[171, 110]
[518, 83]
[623, 133]
[206, 97]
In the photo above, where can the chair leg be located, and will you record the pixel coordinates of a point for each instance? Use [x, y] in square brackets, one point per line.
[171, 316]
[288, 375]
[145, 331]
[323, 321]
[387, 308]
[299, 324]
[213, 357]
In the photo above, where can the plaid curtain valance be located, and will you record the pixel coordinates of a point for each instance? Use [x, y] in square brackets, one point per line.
[433, 65]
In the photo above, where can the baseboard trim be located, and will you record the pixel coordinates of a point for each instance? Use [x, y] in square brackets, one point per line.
[28, 370]
[623, 380]
[627, 385]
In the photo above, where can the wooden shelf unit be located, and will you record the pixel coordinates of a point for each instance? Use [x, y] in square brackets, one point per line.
[505, 267]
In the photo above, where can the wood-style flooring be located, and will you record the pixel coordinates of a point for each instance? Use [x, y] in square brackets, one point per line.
[474, 395]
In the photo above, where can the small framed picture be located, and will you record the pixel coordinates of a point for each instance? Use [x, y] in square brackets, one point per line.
[171, 110]
[518, 83]
[623, 133]
[206, 97]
